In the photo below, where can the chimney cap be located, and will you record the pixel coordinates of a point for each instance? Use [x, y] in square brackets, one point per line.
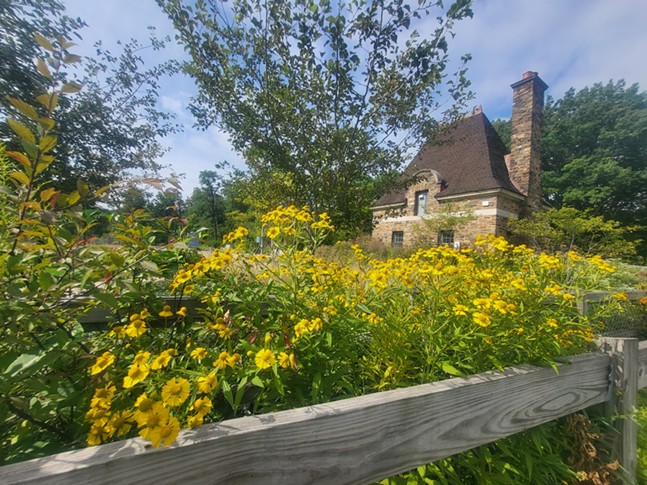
[530, 76]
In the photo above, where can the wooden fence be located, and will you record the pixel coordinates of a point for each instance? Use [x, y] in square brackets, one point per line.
[367, 438]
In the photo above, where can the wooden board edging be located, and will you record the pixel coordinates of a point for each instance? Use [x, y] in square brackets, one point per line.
[352, 441]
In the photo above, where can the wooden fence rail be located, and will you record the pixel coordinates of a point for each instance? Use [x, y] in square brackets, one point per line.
[367, 438]
[356, 440]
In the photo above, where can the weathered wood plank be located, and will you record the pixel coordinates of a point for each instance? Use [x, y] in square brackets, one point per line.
[632, 295]
[352, 441]
[642, 364]
[96, 318]
[624, 393]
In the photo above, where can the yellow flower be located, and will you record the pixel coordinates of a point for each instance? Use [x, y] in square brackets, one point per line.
[622, 296]
[136, 374]
[232, 359]
[143, 406]
[96, 414]
[99, 432]
[202, 406]
[195, 421]
[141, 358]
[117, 331]
[224, 331]
[166, 312]
[154, 419]
[136, 328]
[166, 433]
[482, 303]
[264, 359]
[207, 383]
[103, 396]
[163, 359]
[144, 314]
[285, 359]
[121, 422]
[273, 232]
[501, 306]
[221, 361]
[268, 338]
[460, 310]
[552, 322]
[481, 319]
[102, 363]
[183, 312]
[199, 353]
[175, 391]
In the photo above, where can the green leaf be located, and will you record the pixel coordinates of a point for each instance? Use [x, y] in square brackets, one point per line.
[49, 100]
[73, 198]
[32, 360]
[43, 42]
[46, 123]
[30, 148]
[316, 385]
[20, 177]
[71, 88]
[28, 110]
[41, 67]
[47, 143]
[108, 299]
[450, 369]
[240, 392]
[45, 280]
[257, 381]
[226, 392]
[21, 130]
[82, 188]
[20, 158]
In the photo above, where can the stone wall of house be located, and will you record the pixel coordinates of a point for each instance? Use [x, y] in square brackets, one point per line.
[486, 221]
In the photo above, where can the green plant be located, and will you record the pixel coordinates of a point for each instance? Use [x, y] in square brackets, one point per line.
[51, 273]
[289, 328]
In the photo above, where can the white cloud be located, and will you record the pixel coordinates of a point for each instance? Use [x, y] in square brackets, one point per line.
[570, 43]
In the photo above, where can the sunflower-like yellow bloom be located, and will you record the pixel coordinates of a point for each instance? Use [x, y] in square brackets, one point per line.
[175, 391]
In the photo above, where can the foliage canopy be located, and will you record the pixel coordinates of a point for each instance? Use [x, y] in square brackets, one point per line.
[113, 125]
[328, 94]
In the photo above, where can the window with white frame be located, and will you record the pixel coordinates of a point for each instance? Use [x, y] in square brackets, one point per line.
[422, 197]
[397, 239]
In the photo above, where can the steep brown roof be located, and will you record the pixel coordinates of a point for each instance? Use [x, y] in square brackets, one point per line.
[469, 158]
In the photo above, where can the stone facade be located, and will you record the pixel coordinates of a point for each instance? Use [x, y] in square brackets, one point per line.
[492, 213]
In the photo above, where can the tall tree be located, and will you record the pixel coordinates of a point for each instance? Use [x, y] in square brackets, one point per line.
[207, 204]
[595, 152]
[331, 95]
[113, 124]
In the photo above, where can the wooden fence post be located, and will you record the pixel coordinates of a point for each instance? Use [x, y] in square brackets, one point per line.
[623, 393]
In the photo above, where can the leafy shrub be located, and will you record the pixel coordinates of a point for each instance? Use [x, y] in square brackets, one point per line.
[51, 274]
[290, 328]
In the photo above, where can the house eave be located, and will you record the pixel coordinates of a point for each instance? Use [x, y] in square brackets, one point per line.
[389, 206]
[480, 193]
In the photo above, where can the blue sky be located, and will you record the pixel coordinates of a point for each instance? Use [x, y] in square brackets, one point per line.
[570, 43]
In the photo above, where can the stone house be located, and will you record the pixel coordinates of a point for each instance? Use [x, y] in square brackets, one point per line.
[469, 167]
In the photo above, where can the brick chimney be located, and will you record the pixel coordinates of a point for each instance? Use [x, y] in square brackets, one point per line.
[524, 165]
